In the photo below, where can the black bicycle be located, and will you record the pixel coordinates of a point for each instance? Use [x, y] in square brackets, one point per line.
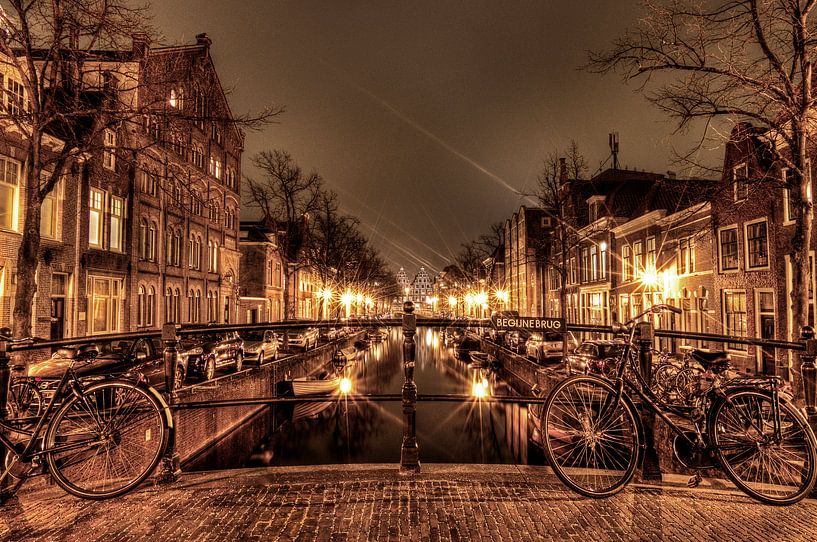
[594, 439]
[98, 438]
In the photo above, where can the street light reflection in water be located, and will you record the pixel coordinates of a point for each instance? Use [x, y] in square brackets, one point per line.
[351, 429]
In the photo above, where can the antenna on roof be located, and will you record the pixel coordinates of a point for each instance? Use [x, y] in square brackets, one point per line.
[613, 139]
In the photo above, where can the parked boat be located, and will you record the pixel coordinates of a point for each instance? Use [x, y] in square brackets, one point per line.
[480, 360]
[308, 386]
[375, 335]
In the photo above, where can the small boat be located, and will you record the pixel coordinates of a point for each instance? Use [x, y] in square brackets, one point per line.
[480, 360]
[375, 335]
[309, 410]
[308, 386]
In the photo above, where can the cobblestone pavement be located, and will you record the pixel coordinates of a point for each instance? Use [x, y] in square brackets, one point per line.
[372, 502]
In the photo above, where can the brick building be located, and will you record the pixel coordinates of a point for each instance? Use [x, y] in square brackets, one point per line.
[262, 274]
[523, 265]
[144, 231]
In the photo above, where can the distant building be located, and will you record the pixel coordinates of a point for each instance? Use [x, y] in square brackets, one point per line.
[526, 239]
[421, 287]
[262, 274]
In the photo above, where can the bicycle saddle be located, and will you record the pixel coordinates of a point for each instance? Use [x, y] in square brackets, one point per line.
[711, 360]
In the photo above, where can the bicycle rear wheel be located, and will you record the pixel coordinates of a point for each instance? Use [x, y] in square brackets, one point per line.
[107, 441]
[24, 400]
[742, 432]
[591, 440]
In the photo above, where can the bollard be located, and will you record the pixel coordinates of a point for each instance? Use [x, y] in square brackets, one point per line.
[808, 370]
[170, 467]
[650, 469]
[409, 452]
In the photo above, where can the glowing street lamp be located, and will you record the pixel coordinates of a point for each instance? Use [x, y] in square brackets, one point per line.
[347, 298]
[325, 296]
[452, 302]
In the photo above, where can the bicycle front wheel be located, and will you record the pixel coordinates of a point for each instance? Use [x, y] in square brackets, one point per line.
[591, 438]
[107, 441]
[769, 469]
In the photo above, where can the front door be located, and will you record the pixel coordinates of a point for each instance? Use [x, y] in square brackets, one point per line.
[57, 318]
[767, 354]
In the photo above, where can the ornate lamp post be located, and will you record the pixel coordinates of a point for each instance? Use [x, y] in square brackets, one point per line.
[409, 452]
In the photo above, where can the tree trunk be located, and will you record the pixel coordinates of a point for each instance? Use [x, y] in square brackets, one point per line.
[27, 257]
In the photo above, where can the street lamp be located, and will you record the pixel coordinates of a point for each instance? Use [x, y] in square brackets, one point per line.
[452, 302]
[347, 299]
[325, 296]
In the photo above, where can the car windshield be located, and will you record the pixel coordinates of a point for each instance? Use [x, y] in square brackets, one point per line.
[119, 347]
[253, 335]
[552, 337]
[203, 337]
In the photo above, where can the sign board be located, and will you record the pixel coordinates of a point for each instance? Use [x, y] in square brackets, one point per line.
[528, 323]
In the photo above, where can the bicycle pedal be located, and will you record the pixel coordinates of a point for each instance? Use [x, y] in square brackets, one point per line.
[694, 481]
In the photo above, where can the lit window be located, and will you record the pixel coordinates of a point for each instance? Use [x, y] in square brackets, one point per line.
[9, 179]
[15, 96]
[150, 306]
[109, 150]
[626, 263]
[734, 313]
[104, 297]
[50, 212]
[117, 223]
[96, 207]
[686, 256]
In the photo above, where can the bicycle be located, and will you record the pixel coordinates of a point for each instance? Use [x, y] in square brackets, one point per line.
[594, 439]
[98, 438]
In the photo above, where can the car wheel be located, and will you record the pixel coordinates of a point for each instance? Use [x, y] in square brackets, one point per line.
[178, 378]
[210, 368]
[261, 358]
[239, 361]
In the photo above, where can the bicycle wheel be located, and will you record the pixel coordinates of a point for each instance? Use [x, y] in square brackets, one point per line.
[24, 400]
[591, 440]
[107, 441]
[772, 472]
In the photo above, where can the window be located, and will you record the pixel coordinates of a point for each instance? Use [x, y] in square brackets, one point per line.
[117, 223]
[140, 307]
[686, 256]
[229, 178]
[151, 248]
[574, 274]
[143, 239]
[109, 149]
[757, 245]
[603, 260]
[50, 212]
[729, 248]
[195, 203]
[197, 155]
[104, 300]
[190, 306]
[651, 255]
[215, 168]
[95, 214]
[15, 96]
[594, 262]
[734, 316]
[150, 183]
[177, 311]
[169, 312]
[277, 277]
[176, 98]
[638, 254]
[9, 179]
[626, 263]
[788, 175]
[150, 306]
[740, 181]
[585, 263]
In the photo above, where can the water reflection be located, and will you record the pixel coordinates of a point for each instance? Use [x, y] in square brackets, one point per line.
[345, 430]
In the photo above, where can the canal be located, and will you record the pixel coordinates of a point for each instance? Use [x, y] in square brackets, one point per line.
[349, 431]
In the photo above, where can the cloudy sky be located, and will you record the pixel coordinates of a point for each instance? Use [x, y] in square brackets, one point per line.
[429, 119]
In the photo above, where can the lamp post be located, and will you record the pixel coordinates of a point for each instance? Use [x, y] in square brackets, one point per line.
[452, 302]
[409, 452]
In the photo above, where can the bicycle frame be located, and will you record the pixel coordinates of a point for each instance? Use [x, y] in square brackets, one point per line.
[29, 451]
[642, 389]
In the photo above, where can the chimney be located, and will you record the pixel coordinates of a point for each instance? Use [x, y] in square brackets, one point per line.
[203, 39]
[562, 171]
[140, 44]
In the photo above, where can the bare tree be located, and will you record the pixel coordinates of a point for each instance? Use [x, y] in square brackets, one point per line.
[69, 79]
[735, 61]
[287, 199]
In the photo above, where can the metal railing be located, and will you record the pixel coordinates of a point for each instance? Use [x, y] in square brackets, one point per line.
[171, 334]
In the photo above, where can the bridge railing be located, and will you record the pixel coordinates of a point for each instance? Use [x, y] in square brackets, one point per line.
[171, 334]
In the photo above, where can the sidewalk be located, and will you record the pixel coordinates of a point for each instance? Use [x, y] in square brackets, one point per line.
[372, 502]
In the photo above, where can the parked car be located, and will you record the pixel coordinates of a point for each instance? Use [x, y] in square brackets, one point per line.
[541, 347]
[329, 334]
[516, 340]
[140, 359]
[260, 346]
[594, 356]
[304, 338]
[205, 352]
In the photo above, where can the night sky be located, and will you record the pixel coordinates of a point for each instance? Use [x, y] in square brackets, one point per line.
[428, 118]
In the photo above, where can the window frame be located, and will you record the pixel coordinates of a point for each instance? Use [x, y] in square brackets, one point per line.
[746, 253]
[721, 231]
